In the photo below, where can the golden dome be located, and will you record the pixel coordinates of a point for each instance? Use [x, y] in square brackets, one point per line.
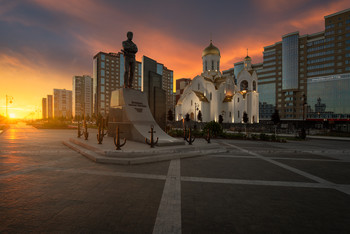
[248, 58]
[211, 49]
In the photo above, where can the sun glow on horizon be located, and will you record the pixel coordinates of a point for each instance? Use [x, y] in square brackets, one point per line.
[12, 115]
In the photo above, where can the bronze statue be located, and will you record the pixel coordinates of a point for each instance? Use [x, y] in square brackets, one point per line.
[129, 50]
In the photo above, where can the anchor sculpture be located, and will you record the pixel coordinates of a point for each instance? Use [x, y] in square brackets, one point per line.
[101, 131]
[85, 131]
[207, 138]
[117, 140]
[190, 139]
[151, 143]
[79, 130]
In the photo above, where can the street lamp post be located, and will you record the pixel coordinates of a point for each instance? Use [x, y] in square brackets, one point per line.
[304, 104]
[9, 99]
[196, 106]
[303, 131]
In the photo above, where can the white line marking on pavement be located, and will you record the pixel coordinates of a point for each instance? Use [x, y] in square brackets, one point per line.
[169, 212]
[344, 189]
[254, 182]
[278, 158]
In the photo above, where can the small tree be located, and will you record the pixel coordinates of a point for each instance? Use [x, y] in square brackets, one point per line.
[170, 115]
[221, 119]
[275, 118]
[199, 116]
[214, 128]
[245, 120]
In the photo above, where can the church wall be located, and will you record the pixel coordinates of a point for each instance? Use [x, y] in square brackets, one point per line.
[186, 104]
[210, 60]
[205, 109]
[254, 107]
[239, 107]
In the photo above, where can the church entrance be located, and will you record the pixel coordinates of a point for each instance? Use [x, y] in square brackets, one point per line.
[192, 116]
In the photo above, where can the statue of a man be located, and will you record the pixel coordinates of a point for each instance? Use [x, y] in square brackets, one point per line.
[129, 50]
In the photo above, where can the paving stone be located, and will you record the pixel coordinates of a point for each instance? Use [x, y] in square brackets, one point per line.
[215, 208]
[237, 168]
[336, 172]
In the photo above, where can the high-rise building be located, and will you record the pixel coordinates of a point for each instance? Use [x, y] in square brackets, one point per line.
[44, 108]
[150, 68]
[297, 68]
[156, 80]
[62, 100]
[180, 86]
[108, 75]
[49, 108]
[168, 86]
[82, 96]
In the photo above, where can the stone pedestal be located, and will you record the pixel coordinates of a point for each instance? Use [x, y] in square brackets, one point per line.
[129, 109]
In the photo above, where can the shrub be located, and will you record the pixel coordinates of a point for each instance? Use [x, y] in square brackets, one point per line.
[214, 127]
[264, 137]
[254, 137]
[273, 137]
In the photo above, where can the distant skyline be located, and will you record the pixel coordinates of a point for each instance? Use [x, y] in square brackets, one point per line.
[44, 43]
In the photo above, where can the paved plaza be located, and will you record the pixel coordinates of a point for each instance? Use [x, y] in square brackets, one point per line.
[255, 187]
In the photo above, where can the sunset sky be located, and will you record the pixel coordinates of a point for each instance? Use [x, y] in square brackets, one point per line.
[43, 43]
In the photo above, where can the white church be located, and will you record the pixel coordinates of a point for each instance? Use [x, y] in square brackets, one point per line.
[214, 94]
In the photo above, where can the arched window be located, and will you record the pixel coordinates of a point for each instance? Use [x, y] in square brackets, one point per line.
[212, 64]
[191, 102]
[210, 96]
[254, 85]
[218, 66]
[206, 66]
[244, 85]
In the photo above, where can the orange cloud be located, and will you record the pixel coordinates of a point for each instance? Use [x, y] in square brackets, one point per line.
[28, 80]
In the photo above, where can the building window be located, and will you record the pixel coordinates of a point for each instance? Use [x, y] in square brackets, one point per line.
[218, 66]
[212, 65]
[210, 96]
[199, 87]
[244, 85]
[206, 66]
[238, 114]
[191, 102]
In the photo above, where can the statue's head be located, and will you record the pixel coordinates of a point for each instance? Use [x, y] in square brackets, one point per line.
[129, 35]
